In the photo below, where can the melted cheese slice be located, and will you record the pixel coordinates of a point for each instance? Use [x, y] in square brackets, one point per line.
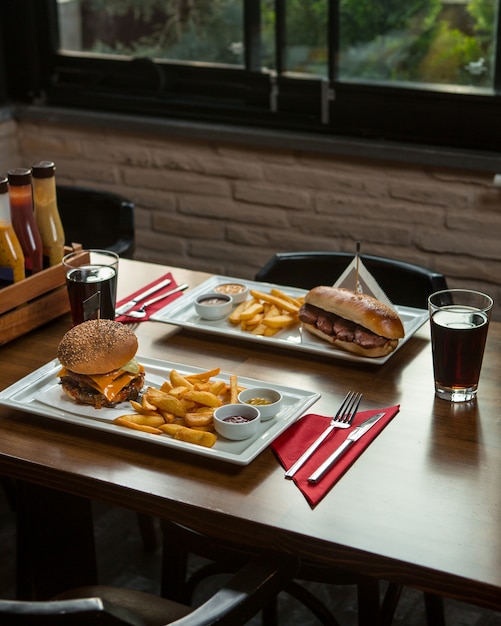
[109, 384]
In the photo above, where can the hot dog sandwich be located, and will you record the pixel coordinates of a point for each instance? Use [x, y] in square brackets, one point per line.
[99, 364]
[351, 321]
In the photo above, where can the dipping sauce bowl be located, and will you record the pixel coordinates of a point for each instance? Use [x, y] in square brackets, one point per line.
[236, 421]
[213, 306]
[237, 291]
[268, 401]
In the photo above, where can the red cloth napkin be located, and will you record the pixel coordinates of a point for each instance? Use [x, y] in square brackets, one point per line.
[291, 444]
[154, 307]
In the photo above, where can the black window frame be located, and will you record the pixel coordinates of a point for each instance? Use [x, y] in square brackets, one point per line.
[430, 116]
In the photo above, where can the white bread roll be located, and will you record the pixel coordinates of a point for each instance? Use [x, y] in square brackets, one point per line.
[359, 308]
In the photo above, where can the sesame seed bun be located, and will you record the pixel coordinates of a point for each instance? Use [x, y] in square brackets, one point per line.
[97, 347]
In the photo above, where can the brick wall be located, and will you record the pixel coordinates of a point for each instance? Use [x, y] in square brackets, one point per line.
[226, 208]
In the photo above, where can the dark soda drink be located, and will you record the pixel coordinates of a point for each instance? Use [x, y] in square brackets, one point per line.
[458, 336]
[92, 292]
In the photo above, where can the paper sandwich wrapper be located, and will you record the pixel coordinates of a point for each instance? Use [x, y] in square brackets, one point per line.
[366, 282]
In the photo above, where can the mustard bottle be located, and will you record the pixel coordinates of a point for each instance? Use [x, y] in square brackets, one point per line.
[11, 253]
[47, 215]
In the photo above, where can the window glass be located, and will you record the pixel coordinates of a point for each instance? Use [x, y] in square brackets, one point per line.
[206, 31]
[421, 41]
[306, 36]
[449, 42]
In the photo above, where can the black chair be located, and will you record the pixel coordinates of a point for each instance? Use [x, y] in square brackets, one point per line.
[97, 219]
[404, 283]
[225, 556]
[236, 602]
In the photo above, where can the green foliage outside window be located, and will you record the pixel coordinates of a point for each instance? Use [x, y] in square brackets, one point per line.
[413, 41]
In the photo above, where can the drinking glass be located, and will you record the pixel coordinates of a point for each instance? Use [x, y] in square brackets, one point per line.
[459, 320]
[91, 280]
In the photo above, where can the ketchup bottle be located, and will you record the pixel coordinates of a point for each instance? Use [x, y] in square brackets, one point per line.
[46, 212]
[23, 219]
[11, 253]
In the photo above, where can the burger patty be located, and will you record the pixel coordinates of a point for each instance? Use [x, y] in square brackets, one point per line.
[339, 328]
[79, 387]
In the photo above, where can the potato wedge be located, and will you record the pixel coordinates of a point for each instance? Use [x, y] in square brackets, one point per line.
[198, 419]
[140, 408]
[166, 402]
[147, 420]
[178, 380]
[206, 398]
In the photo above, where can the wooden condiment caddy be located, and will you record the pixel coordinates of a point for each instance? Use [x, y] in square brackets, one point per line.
[34, 301]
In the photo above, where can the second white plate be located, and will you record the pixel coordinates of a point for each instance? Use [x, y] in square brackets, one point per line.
[182, 313]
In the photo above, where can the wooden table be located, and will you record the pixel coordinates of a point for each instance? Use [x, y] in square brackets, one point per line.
[422, 506]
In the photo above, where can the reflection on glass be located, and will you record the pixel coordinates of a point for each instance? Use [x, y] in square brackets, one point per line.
[424, 41]
[306, 34]
[449, 42]
[204, 31]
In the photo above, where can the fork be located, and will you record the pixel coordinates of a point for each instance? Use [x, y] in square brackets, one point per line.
[343, 419]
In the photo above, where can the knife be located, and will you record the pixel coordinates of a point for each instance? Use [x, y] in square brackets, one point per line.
[354, 436]
[314, 446]
[132, 303]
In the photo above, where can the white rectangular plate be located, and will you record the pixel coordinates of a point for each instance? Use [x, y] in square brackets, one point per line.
[40, 393]
[182, 312]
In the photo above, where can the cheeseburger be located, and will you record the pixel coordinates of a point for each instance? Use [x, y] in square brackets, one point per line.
[99, 364]
[355, 322]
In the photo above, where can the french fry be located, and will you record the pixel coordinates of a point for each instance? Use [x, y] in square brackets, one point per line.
[283, 296]
[147, 406]
[166, 402]
[183, 407]
[191, 435]
[218, 387]
[260, 329]
[267, 313]
[147, 420]
[279, 321]
[169, 418]
[177, 380]
[279, 302]
[255, 320]
[233, 389]
[234, 317]
[203, 397]
[269, 332]
[203, 375]
[179, 391]
[143, 410]
[250, 311]
[198, 419]
[171, 429]
[122, 421]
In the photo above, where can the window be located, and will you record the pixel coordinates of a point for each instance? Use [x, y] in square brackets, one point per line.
[419, 71]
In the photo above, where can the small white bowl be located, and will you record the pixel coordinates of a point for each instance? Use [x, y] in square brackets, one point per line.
[213, 306]
[272, 400]
[237, 430]
[237, 291]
